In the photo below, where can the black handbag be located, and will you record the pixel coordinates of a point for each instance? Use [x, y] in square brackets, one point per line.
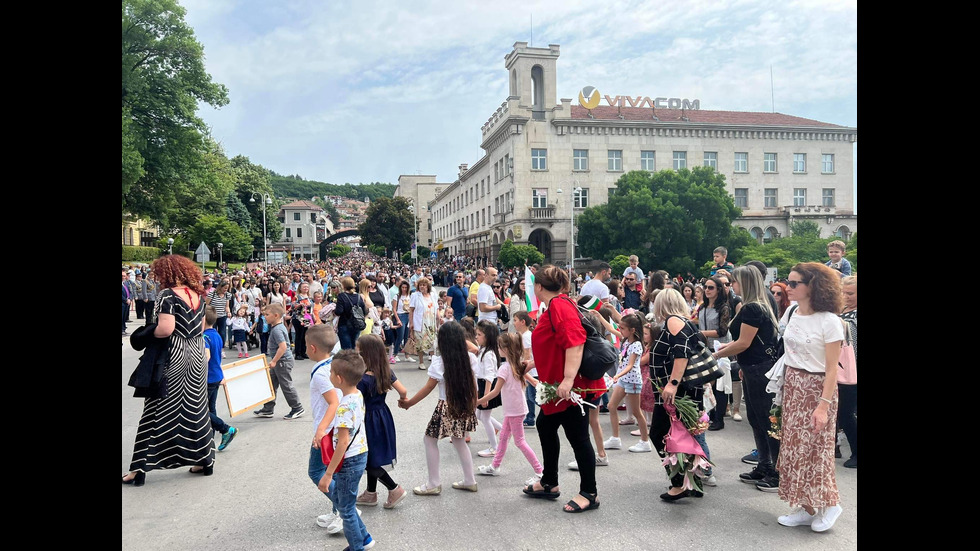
[599, 355]
[356, 321]
[503, 315]
[702, 368]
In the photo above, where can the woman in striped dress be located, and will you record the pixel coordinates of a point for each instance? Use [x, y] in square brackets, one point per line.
[176, 431]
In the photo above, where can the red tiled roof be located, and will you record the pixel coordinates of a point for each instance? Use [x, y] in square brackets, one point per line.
[302, 205]
[606, 112]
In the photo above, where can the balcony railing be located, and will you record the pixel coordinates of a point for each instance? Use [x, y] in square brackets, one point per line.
[542, 213]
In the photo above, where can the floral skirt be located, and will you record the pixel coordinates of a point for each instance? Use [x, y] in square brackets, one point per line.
[806, 458]
[442, 425]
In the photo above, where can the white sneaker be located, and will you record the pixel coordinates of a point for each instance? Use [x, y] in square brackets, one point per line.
[488, 470]
[489, 452]
[612, 443]
[736, 416]
[533, 479]
[641, 447]
[799, 517]
[710, 481]
[826, 518]
[331, 522]
[599, 462]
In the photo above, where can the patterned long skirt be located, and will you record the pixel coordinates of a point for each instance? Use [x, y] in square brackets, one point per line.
[806, 458]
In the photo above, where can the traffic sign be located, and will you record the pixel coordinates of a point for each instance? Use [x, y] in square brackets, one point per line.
[433, 254]
[203, 253]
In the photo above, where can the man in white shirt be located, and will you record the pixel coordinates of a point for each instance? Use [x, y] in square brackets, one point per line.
[486, 301]
[634, 269]
[595, 286]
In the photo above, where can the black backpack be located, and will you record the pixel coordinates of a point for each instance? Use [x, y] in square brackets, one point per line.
[599, 354]
[356, 321]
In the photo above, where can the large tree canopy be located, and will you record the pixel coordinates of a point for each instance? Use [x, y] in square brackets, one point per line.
[670, 219]
[166, 156]
[388, 223]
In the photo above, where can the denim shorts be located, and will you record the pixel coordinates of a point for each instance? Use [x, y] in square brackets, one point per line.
[630, 388]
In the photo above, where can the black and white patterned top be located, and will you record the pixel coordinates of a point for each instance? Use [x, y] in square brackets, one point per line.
[852, 320]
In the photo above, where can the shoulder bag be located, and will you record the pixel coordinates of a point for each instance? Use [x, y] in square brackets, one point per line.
[848, 362]
[599, 355]
[702, 368]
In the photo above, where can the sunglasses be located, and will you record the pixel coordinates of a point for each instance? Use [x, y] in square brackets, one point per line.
[792, 284]
[710, 287]
[777, 294]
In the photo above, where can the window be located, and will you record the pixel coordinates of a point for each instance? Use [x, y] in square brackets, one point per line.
[288, 232]
[799, 197]
[299, 233]
[539, 198]
[581, 198]
[741, 162]
[507, 163]
[539, 159]
[648, 161]
[680, 160]
[496, 173]
[799, 162]
[742, 197]
[828, 196]
[827, 164]
[769, 162]
[711, 159]
[296, 216]
[770, 195]
[615, 162]
[580, 159]
[610, 192]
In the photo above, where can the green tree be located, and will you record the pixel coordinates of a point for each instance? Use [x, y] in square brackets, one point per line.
[165, 150]
[377, 250]
[785, 252]
[619, 264]
[252, 185]
[217, 229]
[515, 256]
[670, 219]
[804, 227]
[236, 212]
[388, 223]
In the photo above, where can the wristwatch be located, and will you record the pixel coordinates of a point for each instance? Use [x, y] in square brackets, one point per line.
[675, 382]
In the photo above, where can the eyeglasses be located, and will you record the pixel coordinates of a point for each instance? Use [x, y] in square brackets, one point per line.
[792, 284]
[727, 284]
[777, 294]
[629, 279]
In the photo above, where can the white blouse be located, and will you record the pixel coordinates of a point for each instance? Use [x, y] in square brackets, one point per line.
[806, 338]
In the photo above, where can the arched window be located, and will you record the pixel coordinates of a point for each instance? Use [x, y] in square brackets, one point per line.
[770, 234]
[756, 234]
[843, 232]
[537, 92]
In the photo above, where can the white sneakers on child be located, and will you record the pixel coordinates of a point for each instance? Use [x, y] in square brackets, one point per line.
[489, 452]
[599, 462]
[612, 443]
[536, 478]
[333, 523]
[488, 470]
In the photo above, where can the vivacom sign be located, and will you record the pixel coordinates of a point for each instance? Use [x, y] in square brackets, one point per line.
[589, 98]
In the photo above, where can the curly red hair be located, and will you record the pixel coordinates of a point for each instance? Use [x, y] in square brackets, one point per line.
[824, 286]
[172, 270]
[783, 300]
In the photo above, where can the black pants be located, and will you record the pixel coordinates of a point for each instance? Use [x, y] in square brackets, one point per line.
[576, 427]
[847, 405]
[148, 311]
[660, 426]
[140, 305]
[299, 351]
[374, 474]
[721, 404]
[125, 314]
[758, 403]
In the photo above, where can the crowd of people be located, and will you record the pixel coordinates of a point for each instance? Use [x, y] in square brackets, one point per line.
[491, 342]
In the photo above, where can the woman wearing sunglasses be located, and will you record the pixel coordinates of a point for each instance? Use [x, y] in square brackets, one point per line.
[778, 290]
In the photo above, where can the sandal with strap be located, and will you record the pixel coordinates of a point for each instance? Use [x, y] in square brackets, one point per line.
[576, 508]
[544, 493]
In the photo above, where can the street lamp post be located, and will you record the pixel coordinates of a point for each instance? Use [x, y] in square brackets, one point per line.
[265, 242]
[415, 228]
[571, 236]
[220, 256]
[170, 245]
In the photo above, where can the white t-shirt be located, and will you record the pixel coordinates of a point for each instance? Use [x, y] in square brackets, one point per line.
[484, 295]
[487, 366]
[633, 376]
[319, 385]
[423, 307]
[596, 288]
[350, 414]
[437, 370]
[636, 271]
[526, 342]
[806, 337]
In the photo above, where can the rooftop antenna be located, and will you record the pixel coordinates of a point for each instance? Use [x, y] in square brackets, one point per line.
[771, 90]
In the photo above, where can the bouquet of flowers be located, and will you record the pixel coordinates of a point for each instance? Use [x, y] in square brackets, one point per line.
[776, 418]
[548, 392]
[685, 456]
[694, 421]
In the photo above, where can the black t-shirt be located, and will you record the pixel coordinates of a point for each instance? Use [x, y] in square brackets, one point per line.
[754, 314]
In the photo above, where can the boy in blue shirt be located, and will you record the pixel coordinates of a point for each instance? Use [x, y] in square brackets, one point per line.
[216, 376]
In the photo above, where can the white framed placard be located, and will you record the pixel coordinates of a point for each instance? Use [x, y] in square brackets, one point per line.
[247, 384]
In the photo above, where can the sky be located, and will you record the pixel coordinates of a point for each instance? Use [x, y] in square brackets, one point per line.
[365, 91]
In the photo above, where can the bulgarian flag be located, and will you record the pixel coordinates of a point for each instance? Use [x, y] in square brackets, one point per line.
[530, 300]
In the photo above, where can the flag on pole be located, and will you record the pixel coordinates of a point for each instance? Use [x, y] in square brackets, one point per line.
[530, 300]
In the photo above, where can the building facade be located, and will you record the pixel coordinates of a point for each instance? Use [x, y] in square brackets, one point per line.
[546, 161]
[139, 232]
[420, 190]
[304, 224]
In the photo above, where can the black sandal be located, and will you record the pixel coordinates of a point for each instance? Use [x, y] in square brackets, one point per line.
[576, 508]
[544, 493]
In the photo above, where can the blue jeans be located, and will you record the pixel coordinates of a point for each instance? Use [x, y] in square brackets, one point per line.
[216, 422]
[704, 446]
[316, 470]
[402, 334]
[347, 336]
[529, 393]
[343, 492]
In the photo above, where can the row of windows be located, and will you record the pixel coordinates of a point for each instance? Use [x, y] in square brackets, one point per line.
[648, 161]
[539, 198]
[771, 199]
[298, 217]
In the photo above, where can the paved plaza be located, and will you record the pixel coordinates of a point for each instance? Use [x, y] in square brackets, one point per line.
[260, 497]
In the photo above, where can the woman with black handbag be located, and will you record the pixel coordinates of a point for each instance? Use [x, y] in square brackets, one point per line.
[675, 346]
[755, 344]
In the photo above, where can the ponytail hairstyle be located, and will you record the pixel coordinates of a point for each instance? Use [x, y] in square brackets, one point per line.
[490, 334]
[553, 279]
[458, 374]
[511, 346]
